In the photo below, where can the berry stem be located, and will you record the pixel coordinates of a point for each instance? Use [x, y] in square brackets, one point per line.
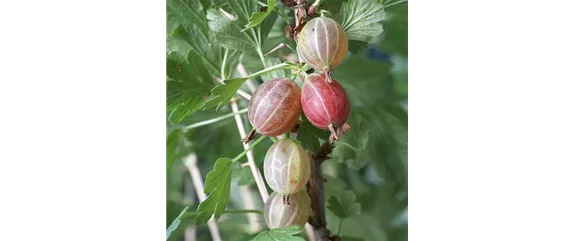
[217, 119]
[260, 139]
[260, 53]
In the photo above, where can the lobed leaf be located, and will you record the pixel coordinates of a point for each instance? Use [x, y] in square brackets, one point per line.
[228, 33]
[217, 186]
[345, 205]
[360, 19]
[187, 85]
[350, 149]
[280, 234]
[186, 12]
[258, 17]
[188, 29]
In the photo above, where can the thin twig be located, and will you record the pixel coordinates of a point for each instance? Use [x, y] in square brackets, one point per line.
[189, 234]
[250, 158]
[191, 164]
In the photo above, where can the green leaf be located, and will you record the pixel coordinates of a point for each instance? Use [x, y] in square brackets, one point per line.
[228, 33]
[211, 54]
[280, 234]
[360, 19]
[171, 147]
[176, 228]
[309, 135]
[386, 147]
[265, 27]
[345, 205]
[217, 185]
[356, 46]
[258, 17]
[222, 94]
[188, 84]
[374, 88]
[193, 39]
[395, 39]
[390, 159]
[186, 12]
[350, 149]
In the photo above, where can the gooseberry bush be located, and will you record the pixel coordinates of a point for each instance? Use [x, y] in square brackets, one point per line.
[299, 90]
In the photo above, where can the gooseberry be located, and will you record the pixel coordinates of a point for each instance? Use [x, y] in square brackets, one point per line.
[322, 44]
[275, 106]
[325, 105]
[280, 214]
[286, 167]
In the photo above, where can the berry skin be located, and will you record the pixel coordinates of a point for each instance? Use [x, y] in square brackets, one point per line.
[286, 167]
[279, 214]
[324, 104]
[275, 106]
[322, 44]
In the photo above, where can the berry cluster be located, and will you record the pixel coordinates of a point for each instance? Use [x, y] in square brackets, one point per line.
[275, 108]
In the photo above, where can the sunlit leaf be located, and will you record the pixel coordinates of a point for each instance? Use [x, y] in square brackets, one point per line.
[360, 19]
[217, 185]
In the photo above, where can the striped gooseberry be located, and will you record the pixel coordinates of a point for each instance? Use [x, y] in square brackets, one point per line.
[322, 44]
[286, 167]
[325, 105]
[280, 214]
[275, 106]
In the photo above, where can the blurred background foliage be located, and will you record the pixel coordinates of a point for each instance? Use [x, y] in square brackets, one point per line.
[370, 160]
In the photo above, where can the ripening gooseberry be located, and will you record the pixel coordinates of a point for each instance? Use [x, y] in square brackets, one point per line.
[286, 167]
[324, 104]
[322, 43]
[279, 214]
[275, 106]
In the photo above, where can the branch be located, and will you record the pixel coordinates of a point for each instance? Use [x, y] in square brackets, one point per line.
[317, 195]
[191, 164]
